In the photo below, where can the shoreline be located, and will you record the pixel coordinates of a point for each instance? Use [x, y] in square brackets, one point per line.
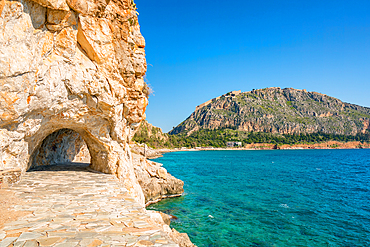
[321, 165]
[156, 153]
[269, 146]
[162, 198]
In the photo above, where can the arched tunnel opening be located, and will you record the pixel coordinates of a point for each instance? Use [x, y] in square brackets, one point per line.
[64, 147]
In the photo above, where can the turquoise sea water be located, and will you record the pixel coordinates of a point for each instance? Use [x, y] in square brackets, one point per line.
[272, 197]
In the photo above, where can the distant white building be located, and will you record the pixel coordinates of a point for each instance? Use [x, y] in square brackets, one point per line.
[233, 144]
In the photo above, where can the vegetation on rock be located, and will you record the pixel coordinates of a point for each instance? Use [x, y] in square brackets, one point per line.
[280, 111]
[271, 115]
[220, 137]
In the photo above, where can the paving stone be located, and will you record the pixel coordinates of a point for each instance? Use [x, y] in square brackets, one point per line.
[144, 243]
[78, 208]
[91, 225]
[18, 243]
[69, 244]
[48, 241]
[143, 237]
[86, 234]
[161, 241]
[29, 235]
[141, 224]
[7, 241]
[91, 242]
[15, 226]
[155, 237]
[103, 228]
[31, 243]
[37, 226]
[61, 234]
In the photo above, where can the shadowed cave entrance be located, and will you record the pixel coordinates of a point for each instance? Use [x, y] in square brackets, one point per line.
[63, 149]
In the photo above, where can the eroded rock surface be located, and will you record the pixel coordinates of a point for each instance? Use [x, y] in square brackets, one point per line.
[146, 151]
[155, 181]
[161, 220]
[72, 64]
[278, 111]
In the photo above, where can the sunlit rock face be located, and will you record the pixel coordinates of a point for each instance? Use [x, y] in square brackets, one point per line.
[77, 65]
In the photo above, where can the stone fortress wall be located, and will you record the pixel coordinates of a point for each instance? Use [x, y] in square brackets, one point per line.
[229, 94]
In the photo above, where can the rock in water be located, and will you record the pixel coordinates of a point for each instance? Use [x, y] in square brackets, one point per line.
[73, 65]
[156, 183]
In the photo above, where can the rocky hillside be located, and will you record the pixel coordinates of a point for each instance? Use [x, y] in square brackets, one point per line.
[276, 110]
[151, 135]
[147, 130]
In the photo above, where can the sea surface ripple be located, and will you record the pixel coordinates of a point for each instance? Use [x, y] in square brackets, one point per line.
[272, 197]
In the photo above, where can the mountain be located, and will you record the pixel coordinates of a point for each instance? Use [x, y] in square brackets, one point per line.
[278, 111]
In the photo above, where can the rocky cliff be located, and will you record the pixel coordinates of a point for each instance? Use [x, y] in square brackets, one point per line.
[156, 182]
[275, 110]
[71, 67]
[151, 135]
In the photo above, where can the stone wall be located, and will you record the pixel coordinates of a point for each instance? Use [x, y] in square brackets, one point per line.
[72, 64]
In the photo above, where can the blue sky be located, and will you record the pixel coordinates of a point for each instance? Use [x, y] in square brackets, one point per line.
[198, 50]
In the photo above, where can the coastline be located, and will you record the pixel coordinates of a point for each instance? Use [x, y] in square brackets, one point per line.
[162, 198]
[157, 184]
[156, 153]
[199, 169]
[269, 146]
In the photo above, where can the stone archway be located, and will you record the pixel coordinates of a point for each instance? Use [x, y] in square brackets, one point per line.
[61, 147]
[82, 71]
[67, 140]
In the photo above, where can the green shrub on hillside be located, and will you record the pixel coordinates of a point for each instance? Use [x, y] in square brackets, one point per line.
[219, 138]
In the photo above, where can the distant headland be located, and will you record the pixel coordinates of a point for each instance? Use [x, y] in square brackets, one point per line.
[270, 118]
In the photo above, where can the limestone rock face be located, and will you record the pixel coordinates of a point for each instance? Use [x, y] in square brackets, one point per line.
[163, 221]
[276, 110]
[155, 181]
[145, 150]
[182, 239]
[77, 65]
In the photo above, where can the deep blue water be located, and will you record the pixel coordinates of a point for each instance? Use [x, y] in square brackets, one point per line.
[272, 197]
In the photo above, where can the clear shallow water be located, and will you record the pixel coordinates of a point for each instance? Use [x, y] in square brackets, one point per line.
[272, 198]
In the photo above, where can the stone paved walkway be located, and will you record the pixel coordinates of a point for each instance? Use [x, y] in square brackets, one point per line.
[72, 206]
